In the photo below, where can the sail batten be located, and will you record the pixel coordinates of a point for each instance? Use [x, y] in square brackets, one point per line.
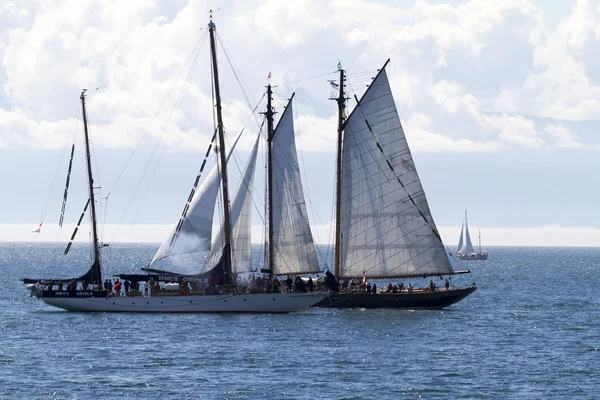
[294, 249]
[386, 225]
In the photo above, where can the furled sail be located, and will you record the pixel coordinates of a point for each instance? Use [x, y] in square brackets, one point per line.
[241, 212]
[465, 247]
[195, 232]
[294, 248]
[386, 226]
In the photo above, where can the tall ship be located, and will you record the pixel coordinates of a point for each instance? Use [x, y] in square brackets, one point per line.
[465, 250]
[384, 229]
[216, 287]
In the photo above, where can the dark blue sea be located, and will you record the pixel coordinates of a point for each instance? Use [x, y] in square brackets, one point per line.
[531, 331]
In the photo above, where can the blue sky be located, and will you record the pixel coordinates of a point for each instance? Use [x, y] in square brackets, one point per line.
[499, 101]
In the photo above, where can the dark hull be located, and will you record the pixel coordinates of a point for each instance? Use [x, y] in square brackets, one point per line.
[417, 299]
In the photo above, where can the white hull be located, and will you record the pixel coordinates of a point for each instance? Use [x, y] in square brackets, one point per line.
[236, 303]
[473, 256]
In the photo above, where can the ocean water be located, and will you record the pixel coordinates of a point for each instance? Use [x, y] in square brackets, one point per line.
[531, 331]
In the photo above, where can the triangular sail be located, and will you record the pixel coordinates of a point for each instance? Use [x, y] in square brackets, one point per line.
[386, 227]
[241, 211]
[294, 251]
[195, 232]
[460, 239]
[467, 246]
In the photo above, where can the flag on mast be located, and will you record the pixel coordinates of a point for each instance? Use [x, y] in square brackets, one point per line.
[38, 228]
[269, 78]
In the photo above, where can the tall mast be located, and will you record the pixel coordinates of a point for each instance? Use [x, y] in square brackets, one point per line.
[341, 102]
[480, 240]
[96, 271]
[226, 219]
[269, 115]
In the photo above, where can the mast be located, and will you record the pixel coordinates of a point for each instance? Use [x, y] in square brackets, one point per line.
[269, 115]
[96, 271]
[226, 217]
[480, 241]
[341, 102]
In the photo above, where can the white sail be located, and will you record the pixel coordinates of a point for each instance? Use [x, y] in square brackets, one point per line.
[466, 247]
[241, 212]
[195, 232]
[460, 239]
[294, 251]
[386, 227]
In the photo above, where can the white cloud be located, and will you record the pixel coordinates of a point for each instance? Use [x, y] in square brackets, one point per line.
[464, 77]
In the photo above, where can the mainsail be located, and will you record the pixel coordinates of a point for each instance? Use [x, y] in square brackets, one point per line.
[465, 246]
[386, 226]
[292, 239]
[241, 212]
[195, 228]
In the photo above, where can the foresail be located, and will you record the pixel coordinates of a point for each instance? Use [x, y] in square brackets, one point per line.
[460, 240]
[386, 225]
[192, 233]
[241, 211]
[467, 248]
[294, 251]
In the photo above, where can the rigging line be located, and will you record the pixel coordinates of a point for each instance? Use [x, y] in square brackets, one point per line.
[151, 57]
[151, 158]
[198, 44]
[237, 77]
[235, 156]
[312, 207]
[366, 72]
[165, 133]
[304, 79]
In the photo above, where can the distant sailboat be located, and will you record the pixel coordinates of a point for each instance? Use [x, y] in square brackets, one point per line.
[384, 228]
[465, 250]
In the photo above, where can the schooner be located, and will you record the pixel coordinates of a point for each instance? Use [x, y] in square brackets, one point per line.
[384, 229]
[291, 246]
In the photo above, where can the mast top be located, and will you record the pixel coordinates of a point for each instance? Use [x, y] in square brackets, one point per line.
[211, 24]
[83, 93]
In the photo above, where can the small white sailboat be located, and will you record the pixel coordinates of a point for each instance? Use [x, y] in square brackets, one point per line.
[465, 250]
[214, 288]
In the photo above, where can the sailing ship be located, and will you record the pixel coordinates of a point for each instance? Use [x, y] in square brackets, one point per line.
[213, 289]
[465, 250]
[384, 228]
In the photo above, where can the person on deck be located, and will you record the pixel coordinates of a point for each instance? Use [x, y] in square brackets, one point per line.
[390, 287]
[331, 282]
[118, 288]
[368, 288]
[410, 288]
[431, 285]
[374, 289]
[310, 285]
[127, 285]
[447, 284]
[276, 284]
[288, 283]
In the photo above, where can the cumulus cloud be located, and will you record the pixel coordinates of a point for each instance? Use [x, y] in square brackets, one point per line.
[470, 77]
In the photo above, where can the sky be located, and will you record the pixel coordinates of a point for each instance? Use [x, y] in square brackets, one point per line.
[500, 103]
